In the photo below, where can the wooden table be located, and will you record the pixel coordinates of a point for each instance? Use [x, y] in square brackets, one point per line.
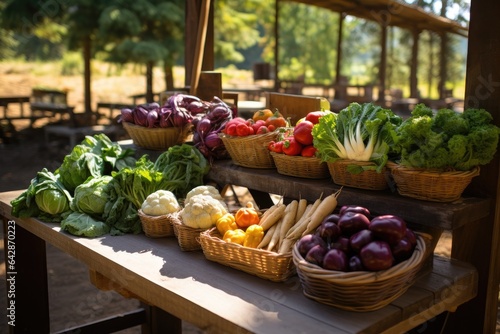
[219, 299]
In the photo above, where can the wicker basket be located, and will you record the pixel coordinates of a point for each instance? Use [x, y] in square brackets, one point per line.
[431, 185]
[187, 237]
[360, 291]
[158, 226]
[156, 138]
[250, 151]
[264, 264]
[367, 179]
[307, 167]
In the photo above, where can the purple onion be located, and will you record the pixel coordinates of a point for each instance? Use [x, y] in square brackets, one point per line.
[165, 117]
[197, 107]
[127, 115]
[153, 119]
[212, 140]
[203, 126]
[140, 116]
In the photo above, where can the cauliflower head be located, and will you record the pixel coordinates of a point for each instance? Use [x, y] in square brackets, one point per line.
[202, 211]
[204, 190]
[161, 202]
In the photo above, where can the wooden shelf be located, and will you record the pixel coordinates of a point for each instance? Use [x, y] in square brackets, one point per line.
[447, 216]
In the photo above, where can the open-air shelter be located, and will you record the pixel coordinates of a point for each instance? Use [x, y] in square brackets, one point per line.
[386, 13]
[482, 80]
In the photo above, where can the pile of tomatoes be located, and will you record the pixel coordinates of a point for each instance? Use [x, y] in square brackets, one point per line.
[299, 140]
[262, 121]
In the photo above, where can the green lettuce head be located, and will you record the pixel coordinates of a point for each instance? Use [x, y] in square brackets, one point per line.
[91, 196]
[52, 201]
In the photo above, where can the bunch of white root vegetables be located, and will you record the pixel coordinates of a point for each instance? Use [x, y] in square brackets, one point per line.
[284, 224]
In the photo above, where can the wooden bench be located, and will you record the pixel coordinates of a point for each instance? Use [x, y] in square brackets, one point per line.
[74, 134]
[113, 110]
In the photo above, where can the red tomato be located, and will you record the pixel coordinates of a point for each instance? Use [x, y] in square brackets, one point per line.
[261, 130]
[275, 146]
[257, 125]
[308, 151]
[271, 127]
[303, 132]
[314, 116]
[231, 129]
[242, 129]
[291, 146]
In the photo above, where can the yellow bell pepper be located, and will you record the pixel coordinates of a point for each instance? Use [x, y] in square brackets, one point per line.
[225, 223]
[235, 236]
[253, 236]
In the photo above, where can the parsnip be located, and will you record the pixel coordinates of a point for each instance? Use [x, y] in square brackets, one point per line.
[306, 213]
[267, 237]
[273, 217]
[326, 207]
[288, 219]
[300, 226]
[301, 208]
[276, 236]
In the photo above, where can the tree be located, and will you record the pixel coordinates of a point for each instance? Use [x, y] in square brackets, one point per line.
[145, 32]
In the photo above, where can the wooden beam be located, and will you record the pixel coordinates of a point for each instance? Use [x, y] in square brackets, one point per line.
[200, 45]
[338, 65]
[192, 19]
[482, 91]
[414, 64]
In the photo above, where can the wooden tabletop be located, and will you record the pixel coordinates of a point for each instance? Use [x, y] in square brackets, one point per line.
[220, 299]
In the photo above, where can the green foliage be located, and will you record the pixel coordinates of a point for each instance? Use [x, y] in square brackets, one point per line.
[71, 64]
[447, 139]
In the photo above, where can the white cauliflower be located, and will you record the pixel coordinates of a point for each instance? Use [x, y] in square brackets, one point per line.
[204, 190]
[161, 202]
[202, 211]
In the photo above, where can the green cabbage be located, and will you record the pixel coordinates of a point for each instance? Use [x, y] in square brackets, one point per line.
[52, 201]
[91, 196]
[46, 198]
[95, 156]
[81, 224]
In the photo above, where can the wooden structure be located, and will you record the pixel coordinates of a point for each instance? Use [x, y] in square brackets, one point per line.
[386, 13]
[175, 285]
[471, 243]
[43, 103]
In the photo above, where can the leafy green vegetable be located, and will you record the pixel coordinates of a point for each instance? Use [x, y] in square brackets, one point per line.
[91, 196]
[82, 224]
[45, 198]
[447, 139]
[360, 132]
[95, 156]
[183, 167]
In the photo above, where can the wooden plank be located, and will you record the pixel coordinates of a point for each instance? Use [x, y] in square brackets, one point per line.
[295, 106]
[200, 45]
[217, 298]
[447, 216]
[481, 246]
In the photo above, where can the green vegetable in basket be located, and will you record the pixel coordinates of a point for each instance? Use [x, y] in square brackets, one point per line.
[360, 132]
[447, 139]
